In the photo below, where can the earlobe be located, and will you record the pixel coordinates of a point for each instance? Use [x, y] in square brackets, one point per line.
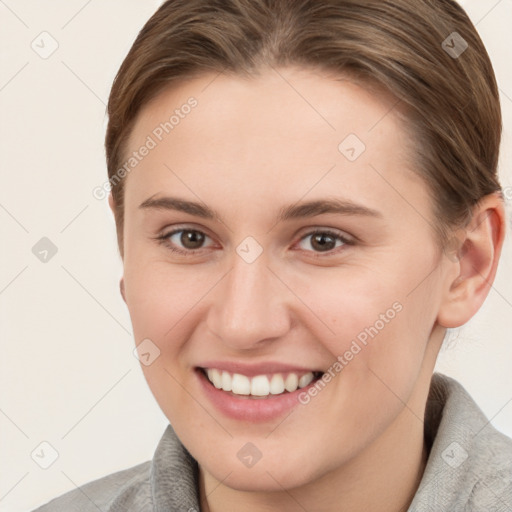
[113, 209]
[470, 276]
[121, 288]
[111, 202]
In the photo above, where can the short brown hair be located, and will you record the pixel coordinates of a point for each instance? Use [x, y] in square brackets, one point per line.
[452, 101]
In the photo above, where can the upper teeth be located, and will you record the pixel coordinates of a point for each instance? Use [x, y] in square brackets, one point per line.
[260, 385]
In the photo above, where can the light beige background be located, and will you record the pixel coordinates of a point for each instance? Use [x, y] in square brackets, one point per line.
[67, 372]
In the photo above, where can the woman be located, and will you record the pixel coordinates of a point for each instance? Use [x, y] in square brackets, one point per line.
[306, 199]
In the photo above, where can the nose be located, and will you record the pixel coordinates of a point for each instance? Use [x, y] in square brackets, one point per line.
[249, 308]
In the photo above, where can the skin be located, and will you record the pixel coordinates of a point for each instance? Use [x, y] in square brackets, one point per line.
[249, 148]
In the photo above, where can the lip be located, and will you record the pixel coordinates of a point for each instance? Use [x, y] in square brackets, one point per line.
[253, 410]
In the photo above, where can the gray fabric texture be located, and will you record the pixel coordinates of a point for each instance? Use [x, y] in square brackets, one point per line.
[469, 468]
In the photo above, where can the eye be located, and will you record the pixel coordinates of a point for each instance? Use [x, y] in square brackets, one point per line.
[191, 240]
[324, 240]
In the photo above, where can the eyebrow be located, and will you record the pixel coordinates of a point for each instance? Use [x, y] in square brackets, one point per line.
[293, 211]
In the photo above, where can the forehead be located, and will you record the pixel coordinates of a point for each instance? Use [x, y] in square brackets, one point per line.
[291, 129]
[270, 102]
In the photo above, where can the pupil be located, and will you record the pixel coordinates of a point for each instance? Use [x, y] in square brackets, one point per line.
[192, 239]
[320, 240]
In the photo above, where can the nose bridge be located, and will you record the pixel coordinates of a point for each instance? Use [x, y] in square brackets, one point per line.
[248, 308]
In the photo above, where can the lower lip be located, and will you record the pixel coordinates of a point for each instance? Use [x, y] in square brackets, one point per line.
[251, 409]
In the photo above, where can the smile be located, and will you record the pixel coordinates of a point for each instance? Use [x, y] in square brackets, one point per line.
[259, 385]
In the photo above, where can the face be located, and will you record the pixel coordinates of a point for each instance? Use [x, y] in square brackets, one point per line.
[273, 236]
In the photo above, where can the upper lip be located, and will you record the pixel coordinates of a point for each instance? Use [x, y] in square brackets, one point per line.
[251, 370]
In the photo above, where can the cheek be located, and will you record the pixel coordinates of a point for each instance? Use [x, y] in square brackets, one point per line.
[159, 299]
[375, 330]
[352, 306]
[165, 307]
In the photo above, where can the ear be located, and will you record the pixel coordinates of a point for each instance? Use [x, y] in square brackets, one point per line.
[472, 272]
[112, 207]
[121, 288]
[111, 202]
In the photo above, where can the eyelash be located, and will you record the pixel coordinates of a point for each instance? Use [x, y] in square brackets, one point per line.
[164, 240]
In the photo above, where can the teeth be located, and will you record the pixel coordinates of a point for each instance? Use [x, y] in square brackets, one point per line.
[292, 382]
[277, 384]
[305, 380]
[226, 381]
[259, 385]
[215, 377]
[240, 385]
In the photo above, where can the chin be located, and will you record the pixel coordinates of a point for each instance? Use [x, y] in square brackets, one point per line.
[266, 476]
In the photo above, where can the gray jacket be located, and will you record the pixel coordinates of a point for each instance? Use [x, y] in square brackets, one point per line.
[469, 467]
